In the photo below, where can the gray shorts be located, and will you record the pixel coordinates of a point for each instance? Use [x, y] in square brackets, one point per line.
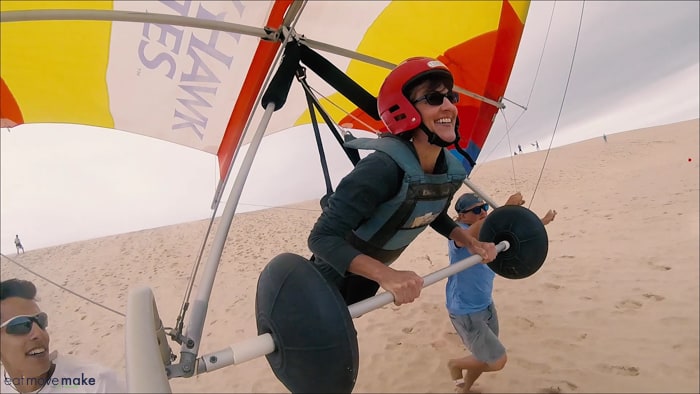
[479, 333]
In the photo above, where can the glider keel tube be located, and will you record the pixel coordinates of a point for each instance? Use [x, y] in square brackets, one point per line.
[237, 353]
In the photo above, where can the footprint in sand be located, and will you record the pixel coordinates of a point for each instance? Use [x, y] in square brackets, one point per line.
[569, 385]
[619, 369]
[532, 365]
[552, 286]
[392, 346]
[658, 267]
[557, 388]
[674, 320]
[654, 297]
[439, 344]
[628, 305]
[523, 323]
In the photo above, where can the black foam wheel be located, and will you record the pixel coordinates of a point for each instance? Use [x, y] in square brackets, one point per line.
[315, 340]
[526, 235]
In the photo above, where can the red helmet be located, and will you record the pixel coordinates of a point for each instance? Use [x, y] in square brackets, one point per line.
[396, 110]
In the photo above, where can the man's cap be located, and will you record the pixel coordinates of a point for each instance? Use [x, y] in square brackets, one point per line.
[467, 200]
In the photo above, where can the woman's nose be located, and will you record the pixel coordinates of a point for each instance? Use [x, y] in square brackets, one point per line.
[447, 103]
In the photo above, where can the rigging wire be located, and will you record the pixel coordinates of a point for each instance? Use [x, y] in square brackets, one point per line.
[180, 321]
[512, 157]
[561, 107]
[120, 313]
[507, 134]
[64, 288]
[176, 333]
[529, 97]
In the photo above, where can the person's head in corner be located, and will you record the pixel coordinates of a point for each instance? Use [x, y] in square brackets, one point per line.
[470, 208]
[417, 95]
[24, 342]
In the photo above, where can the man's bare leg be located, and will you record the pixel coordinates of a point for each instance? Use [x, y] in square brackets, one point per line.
[456, 372]
[474, 369]
[470, 378]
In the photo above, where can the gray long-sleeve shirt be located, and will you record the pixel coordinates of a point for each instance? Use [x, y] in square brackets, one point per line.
[375, 179]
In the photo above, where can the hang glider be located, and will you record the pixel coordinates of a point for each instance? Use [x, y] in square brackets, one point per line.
[196, 72]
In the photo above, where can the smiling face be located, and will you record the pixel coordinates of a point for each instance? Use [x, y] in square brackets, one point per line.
[23, 355]
[440, 119]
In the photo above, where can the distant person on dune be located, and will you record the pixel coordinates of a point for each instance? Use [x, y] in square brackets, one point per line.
[605, 138]
[469, 299]
[28, 366]
[18, 244]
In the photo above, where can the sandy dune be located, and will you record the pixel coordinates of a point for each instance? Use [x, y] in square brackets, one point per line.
[614, 309]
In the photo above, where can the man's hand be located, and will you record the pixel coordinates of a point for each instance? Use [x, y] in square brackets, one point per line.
[515, 199]
[487, 250]
[404, 285]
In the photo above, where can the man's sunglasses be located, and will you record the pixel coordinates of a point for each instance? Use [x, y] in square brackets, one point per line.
[21, 325]
[477, 210]
[437, 98]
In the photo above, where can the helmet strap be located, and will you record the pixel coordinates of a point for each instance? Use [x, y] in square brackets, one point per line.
[436, 140]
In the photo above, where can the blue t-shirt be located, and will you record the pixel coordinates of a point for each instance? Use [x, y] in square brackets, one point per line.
[468, 291]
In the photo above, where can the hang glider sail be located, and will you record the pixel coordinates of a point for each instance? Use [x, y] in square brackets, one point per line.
[139, 66]
[195, 73]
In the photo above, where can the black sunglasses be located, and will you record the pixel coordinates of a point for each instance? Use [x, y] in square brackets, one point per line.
[476, 210]
[437, 98]
[21, 325]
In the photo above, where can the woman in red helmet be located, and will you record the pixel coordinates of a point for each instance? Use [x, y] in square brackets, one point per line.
[394, 193]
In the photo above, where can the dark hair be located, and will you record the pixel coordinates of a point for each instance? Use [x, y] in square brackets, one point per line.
[435, 80]
[17, 288]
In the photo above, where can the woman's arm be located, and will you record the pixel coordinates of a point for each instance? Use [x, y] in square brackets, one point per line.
[374, 180]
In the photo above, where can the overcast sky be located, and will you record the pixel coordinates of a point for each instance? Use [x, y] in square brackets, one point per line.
[635, 65]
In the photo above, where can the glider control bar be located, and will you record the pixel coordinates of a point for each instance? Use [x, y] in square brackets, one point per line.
[305, 327]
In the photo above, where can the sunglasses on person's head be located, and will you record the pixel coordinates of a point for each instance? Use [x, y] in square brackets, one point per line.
[436, 98]
[477, 210]
[21, 325]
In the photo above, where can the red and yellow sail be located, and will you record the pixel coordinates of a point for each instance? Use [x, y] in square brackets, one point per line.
[198, 87]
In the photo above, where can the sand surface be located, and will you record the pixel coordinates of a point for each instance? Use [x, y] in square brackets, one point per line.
[614, 308]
